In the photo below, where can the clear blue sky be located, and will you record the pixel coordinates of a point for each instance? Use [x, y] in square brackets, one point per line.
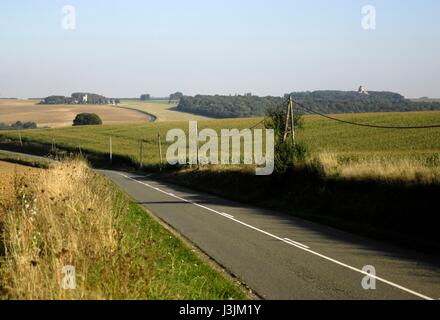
[124, 48]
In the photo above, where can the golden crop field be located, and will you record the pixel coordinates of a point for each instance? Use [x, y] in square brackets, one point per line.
[56, 116]
[162, 110]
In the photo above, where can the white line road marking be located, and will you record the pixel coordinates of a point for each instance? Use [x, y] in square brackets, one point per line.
[301, 247]
[295, 242]
[226, 215]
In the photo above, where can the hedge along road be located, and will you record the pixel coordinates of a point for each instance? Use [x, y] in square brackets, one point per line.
[282, 257]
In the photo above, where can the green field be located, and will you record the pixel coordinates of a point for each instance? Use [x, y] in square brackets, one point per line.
[320, 134]
[325, 135]
[343, 150]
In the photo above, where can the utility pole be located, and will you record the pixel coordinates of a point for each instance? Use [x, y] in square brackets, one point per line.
[197, 147]
[290, 121]
[111, 149]
[160, 151]
[19, 135]
[141, 156]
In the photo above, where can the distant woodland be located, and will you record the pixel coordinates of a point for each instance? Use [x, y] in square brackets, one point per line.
[328, 102]
[79, 98]
[227, 106]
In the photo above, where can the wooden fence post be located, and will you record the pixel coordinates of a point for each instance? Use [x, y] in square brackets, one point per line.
[111, 149]
[160, 151]
[19, 135]
[141, 155]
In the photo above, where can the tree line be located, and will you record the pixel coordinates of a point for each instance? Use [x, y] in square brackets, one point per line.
[79, 98]
[322, 101]
[227, 106]
[18, 126]
[353, 102]
[172, 97]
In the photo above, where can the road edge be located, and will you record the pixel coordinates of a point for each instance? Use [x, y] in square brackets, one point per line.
[217, 266]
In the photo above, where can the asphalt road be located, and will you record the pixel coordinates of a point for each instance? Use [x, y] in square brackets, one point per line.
[281, 257]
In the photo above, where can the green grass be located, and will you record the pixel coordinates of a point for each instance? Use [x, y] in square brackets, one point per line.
[24, 160]
[177, 272]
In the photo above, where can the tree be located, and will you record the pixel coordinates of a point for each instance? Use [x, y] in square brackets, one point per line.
[287, 153]
[145, 97]
[57, 100]
[89, 98]
[76, 98]
[18, 126]
[29, 125]
[87, 119]
[176, 96]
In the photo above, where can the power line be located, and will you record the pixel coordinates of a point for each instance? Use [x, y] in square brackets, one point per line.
[253, 127]
[365, 124]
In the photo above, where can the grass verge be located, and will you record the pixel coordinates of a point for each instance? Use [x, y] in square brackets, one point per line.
[24, 160]
[69, 215]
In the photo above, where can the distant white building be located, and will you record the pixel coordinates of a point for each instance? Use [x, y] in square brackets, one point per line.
[363, 90]
[85, 98]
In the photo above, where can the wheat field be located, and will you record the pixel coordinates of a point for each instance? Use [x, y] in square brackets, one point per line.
[56, 116]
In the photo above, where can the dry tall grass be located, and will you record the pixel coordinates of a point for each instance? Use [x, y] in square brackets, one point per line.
[66, 216]
[411, 170]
